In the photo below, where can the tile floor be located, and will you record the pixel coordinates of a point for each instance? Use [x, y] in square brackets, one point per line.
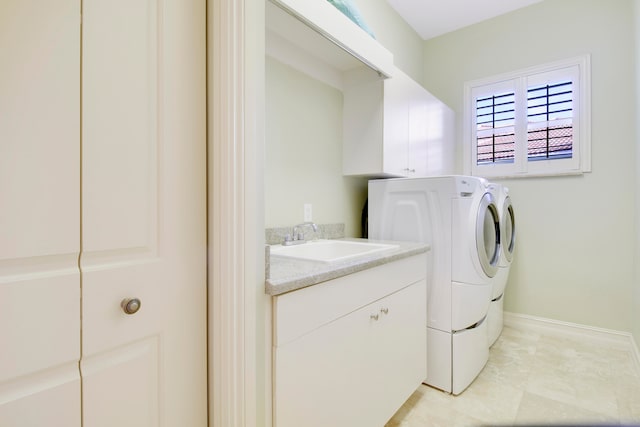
[534, 378]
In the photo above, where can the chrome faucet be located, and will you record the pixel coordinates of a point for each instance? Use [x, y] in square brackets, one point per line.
[297, 236]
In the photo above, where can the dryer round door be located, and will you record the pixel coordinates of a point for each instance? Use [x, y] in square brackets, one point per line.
[508, 229]
[488, 235]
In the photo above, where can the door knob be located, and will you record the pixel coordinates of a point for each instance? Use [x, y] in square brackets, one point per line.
[130, 305]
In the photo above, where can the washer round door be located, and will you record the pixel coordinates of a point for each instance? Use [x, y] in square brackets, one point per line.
[488, 235]
[508, 229]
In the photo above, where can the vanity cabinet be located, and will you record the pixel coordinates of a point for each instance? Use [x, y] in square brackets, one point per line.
[350, 351]
[395, 128]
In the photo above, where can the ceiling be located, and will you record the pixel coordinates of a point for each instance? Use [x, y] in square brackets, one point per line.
[431, 18]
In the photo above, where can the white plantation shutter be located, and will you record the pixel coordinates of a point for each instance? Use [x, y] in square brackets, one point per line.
[534, 122]
[550, 121]
[495, 131]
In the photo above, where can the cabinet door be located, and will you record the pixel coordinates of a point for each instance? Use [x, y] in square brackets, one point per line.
[396, 126]
[402, 345]
[419, 122]
[39, 213]
[325, 377]
[143, 213]
[385, 127]
[356, 371]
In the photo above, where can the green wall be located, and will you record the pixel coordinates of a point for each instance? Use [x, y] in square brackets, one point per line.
[396, 35]
[304, 153]
[576, 235]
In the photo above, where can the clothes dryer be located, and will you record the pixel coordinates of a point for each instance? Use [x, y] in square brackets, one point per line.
[458, 217]
[495, 317]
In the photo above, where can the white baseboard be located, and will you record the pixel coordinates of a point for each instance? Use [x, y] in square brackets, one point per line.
[621, 340]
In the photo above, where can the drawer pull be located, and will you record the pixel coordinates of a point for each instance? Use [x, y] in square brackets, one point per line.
[384, 310]
[374, 316]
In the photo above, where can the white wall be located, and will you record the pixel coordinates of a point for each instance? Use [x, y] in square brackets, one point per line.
[575, 248]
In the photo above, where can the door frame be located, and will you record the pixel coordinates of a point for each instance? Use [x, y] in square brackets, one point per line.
[239, 320]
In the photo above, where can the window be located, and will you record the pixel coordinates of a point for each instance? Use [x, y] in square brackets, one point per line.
[529, 123]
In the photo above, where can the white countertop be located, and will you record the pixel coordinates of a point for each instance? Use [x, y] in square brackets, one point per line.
[288, 274]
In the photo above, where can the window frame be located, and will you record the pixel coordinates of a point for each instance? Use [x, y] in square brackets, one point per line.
[578, 69]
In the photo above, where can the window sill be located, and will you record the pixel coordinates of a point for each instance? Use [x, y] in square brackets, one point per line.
[536, 175]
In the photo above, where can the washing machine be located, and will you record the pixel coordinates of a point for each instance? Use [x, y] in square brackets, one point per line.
[495, 316]
[458, 217]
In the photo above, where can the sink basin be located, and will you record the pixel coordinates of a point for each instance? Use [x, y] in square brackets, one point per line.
[329, 250]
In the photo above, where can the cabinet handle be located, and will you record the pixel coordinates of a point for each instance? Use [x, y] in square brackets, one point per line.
[374, 316]
[384, 310]
[130, 305]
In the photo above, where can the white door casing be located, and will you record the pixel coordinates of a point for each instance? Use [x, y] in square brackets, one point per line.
[239, 321]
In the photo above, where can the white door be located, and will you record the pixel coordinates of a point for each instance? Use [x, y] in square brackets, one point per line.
[143, 213]
[39, 213]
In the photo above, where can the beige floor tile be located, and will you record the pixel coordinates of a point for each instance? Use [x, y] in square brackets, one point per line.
[441, 417]
[536, 378]
[574, 373]
[537, 410]
[510, 362]
[489, 401]
[573, 358]
[628, 396]
[509, 334]
[433, 408]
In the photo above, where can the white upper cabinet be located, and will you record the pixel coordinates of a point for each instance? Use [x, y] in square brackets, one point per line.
[319, 40]
[395, 128]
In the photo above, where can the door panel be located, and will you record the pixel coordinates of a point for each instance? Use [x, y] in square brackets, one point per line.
[144, 213]
[47, 398]
[39, 322]
[39, 213]
[39, 140]
[104, 322]
[120, 130]
[126, 380]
